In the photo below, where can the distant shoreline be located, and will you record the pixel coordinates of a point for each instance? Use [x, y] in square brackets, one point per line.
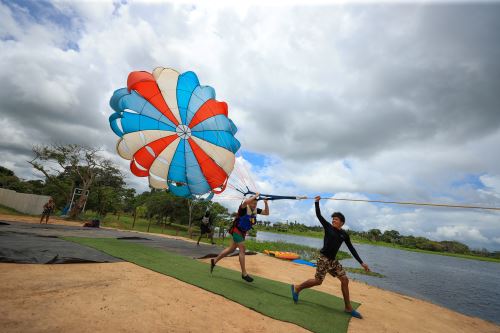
[357, 240]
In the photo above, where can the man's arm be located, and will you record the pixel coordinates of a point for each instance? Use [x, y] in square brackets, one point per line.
[355, 253]
[318, 213]
[245, 203]
[266, 208]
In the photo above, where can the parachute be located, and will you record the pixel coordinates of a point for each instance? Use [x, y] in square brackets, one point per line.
[174, 132]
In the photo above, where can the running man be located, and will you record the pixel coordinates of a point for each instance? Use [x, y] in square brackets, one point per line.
[244, 221]
[333, 239]
[206, 227]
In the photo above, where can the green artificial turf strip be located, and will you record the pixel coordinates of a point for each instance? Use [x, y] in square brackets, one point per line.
[316, 311]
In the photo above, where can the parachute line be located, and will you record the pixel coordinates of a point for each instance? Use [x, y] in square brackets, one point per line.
[406, 203]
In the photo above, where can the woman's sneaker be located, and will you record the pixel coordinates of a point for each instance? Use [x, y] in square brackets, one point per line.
[247, 278]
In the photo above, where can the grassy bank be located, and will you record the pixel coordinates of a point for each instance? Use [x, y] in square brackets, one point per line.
[305, 252]
[399, 247]
[363, 272]
[126, 222]
[317, 234]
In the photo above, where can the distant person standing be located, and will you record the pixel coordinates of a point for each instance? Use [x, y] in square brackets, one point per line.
[206, 227]
[48, 209]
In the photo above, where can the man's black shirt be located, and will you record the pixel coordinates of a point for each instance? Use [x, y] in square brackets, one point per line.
[333, 239]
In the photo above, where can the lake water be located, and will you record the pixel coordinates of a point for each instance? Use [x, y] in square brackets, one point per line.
[468, 286]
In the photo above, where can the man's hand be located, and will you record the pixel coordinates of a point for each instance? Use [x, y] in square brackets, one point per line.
[317, 198]
[266, 208]
[365, 266]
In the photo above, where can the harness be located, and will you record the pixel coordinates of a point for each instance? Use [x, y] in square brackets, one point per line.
[247, 221]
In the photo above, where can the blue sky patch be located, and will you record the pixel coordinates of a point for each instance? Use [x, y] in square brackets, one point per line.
[44, 12]
[472, 180]
[255, 159]
[40, 12]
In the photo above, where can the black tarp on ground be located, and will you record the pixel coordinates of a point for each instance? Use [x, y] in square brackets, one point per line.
[39, 243]
[185, 248]
[29, 248]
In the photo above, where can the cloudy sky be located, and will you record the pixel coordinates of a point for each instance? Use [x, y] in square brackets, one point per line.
[381, 101]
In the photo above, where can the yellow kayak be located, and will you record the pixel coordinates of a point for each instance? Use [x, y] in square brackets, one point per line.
[282, 255]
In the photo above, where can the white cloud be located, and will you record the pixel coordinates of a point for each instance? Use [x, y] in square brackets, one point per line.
[397, 101]
[492, 182]
[463, 232]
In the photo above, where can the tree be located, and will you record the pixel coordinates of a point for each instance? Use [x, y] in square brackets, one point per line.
[9, 180]
[161, 204]
[455, 247]
[108, 192]
[391, 236]
[69, 166]
[374, 234]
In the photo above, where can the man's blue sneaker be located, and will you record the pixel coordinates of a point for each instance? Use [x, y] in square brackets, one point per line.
[355, 314]
[295, 295]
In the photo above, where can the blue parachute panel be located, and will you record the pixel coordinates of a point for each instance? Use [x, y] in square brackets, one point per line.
[132, 101]
[163, 127]
[216, 123]
[131, 122]
[234, 129]
[137, 103]
[115, 99]
[150, 111]
[177, 170]
[148, 123]
[199, 97]
[195, 178]
[113, 122]
[144, 117]
[220, 138]
[180, 191]
[186, 84]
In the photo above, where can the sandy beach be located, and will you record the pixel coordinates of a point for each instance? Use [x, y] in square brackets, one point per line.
[126, 297]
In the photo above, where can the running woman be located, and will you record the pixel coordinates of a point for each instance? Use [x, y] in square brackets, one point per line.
[244, 221]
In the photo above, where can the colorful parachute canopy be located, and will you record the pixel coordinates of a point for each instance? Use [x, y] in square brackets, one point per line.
[174, 132]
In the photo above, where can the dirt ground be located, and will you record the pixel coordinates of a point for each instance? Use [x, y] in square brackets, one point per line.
[125, 297]
[35, 219]
[118, 297]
